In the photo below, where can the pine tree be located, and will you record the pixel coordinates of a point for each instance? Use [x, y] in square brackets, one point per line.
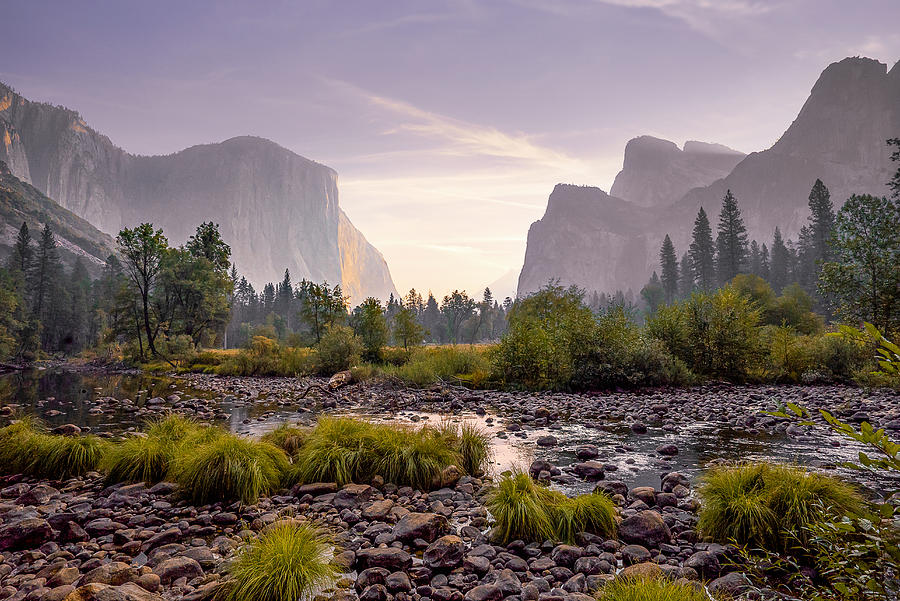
[781, 263]
[764, 262]
[754, 260]
[702, 253]
[668, 263]
[731, 242]
[22, 251]
[821, 220]
[44, 274]
[653, 293]
[685, 277]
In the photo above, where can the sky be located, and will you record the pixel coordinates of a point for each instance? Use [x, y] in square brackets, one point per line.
[448, 121]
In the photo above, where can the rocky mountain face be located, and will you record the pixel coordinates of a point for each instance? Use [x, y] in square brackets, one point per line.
[613, 243]
[657, 173]
[275, 208]
[21, 202]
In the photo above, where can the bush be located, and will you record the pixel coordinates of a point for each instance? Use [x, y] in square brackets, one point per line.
[342, 450]
[651, 589]
[526, 510]
[288, 561]
[338, 349]
[230, 468]
[468, 365]
[770, 505]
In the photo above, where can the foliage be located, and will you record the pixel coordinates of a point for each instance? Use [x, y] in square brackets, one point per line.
[525, 510]
[370, 325]
[863, 282]
[288, 561]
[731, 241]
[338, 349]
[474, 448]
[651, 589]
[702, 253]
[64, 457]
[769, 505]
[229, 468]
[407, 331]
[467, 365]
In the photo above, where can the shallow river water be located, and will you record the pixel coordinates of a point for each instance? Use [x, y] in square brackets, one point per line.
[60, 396]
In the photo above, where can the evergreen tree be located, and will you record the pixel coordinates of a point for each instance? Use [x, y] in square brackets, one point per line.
[653, 293]
[754, 258]
[433, 321]
[44, 274]
[781, 263]
[821, 221]
[668, 263]
[764, 262]
[22, 251]
[702, 253]
[685, 277]
[731, 242]
[284, 298]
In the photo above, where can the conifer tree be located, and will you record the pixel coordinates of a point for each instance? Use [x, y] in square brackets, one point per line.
[685, 277]
[702, 253]
[764, 262]
[780, 264]
[653, 293]
[668, 263]
[22, 251]
[731, 242]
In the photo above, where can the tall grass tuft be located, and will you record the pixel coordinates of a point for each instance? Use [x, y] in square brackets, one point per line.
[63, 457]
[139, 459]
[289, 561]
[474, 448]
[343, 449]
[770, 505]
[651, 589]
[19, 444]
[229, 468]
[286, 437]
[526, 510]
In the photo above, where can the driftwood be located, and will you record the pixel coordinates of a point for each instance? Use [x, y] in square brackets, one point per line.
[12, 367]
[318, 387]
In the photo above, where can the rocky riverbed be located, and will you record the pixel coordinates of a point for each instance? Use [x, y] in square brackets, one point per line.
[81, 540]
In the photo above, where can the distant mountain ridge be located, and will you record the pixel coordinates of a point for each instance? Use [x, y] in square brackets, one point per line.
[275, 208]
[21, 202]
[604, 243]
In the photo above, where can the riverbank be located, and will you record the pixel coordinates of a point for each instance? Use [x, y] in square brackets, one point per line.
[138, 542]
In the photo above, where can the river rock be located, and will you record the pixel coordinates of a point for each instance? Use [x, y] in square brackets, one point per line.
[427, 526]
[444, 553]
[645, 528]
[25, 534]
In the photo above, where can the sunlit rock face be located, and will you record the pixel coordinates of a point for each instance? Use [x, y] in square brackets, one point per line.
[275, 208]
[604, 243]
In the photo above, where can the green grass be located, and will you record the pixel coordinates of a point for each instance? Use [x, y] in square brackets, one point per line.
[650, 589]
[64, 457]
[474, 448]
[27, 448]
[286, 437]
[526, 510]
[770, 505]
[149, 457]
[465, 364]
[288, 561]
[344, 449]
[229, 468]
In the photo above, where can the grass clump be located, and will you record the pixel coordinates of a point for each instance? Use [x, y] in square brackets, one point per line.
[651, 589]
[149, 456]
[288, 561]
[286, 437]
[229, 468]
[19, 444]
[770, 505]
[526, 510]
[64, 457]
[344, 449]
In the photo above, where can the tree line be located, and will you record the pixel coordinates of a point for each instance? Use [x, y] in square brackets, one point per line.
[846, 262]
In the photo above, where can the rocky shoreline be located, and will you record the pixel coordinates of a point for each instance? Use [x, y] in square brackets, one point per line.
[80, 540]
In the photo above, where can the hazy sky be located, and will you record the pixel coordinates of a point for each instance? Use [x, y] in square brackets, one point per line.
[449, 121]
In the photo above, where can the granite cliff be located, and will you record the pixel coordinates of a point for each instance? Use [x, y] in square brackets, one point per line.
[604, 243]
[275, 208]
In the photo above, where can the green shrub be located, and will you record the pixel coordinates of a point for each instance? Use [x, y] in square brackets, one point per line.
[468, 365]
[525, 510]
[288, 561]
[339, 349]
[229, 468]
[651, 589]
[63, 457]
[770, 505]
